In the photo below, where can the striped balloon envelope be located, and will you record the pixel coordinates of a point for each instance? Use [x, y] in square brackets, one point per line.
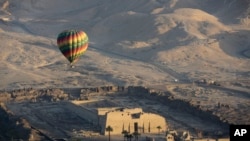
[72, 44]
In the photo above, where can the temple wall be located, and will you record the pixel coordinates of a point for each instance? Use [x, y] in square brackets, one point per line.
[146, 122]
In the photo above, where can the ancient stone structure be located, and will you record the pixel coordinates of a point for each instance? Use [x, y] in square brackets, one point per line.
[131, 120]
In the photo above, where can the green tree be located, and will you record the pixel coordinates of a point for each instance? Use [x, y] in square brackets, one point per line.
[136, 135]
[125, 134]
[129, 136]
[109, 129]
[159, 128]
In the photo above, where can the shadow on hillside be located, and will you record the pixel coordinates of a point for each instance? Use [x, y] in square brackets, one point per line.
[48, 45]
[13, 128]
[235, 44]
[228, 11]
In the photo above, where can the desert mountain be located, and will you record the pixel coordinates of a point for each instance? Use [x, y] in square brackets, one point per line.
[131, 42]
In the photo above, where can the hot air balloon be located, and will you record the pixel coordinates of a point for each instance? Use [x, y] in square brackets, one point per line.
[72, 44]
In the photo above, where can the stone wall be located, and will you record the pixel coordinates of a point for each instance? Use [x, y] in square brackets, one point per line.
[103, 89]
[56, 94]
[31, 95]
[131, 120]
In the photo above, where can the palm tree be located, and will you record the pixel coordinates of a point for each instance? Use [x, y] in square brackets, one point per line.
[109, 129]
[159, 128]
[136, 134]
[129, 136]
[125, 134]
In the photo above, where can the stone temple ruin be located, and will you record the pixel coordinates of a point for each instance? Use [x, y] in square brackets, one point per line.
[87, 112]
[71, 111]
[131, 120]
[120, 119]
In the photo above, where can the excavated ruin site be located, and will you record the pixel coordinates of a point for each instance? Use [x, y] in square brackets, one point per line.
[50, 114]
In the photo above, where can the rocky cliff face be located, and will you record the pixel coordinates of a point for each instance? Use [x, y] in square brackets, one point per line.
[14, 128]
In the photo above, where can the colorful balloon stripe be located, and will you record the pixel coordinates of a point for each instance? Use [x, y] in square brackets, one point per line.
[72, 44]
[79, 50]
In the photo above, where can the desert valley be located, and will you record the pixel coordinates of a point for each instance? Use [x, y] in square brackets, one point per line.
[187, 61]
